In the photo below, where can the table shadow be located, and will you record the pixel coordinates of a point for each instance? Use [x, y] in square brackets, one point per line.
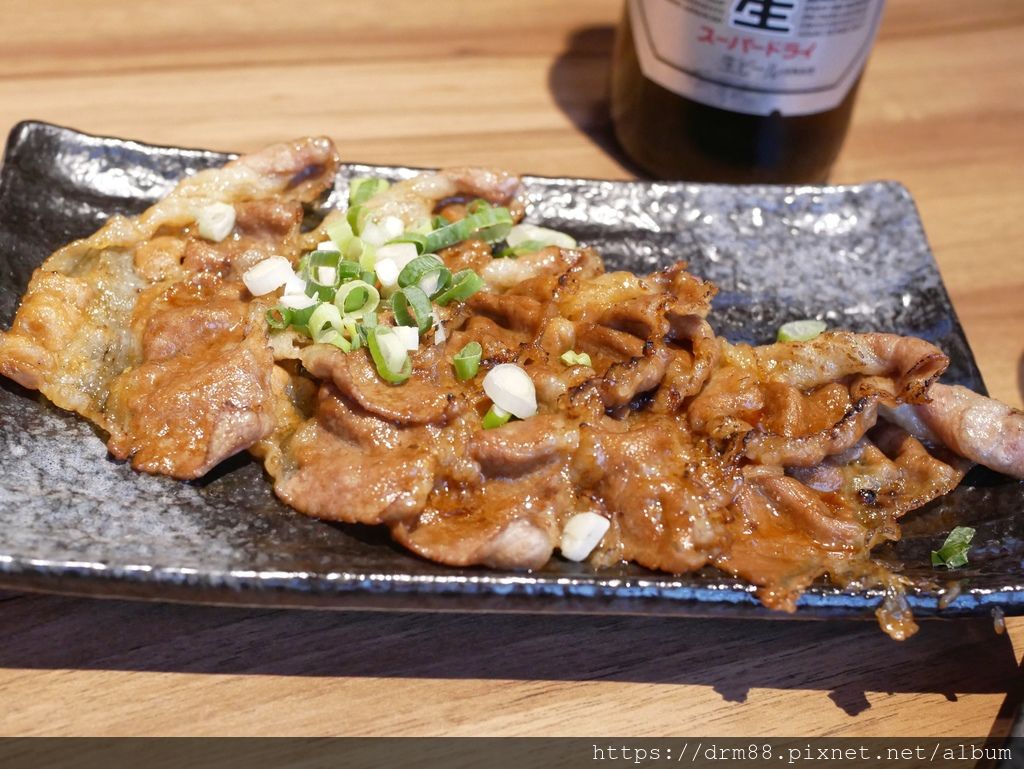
[848, 659]
[579, 83]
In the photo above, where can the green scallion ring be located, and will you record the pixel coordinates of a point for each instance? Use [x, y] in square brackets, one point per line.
[320, 293]
[335, 338]
[348, 271]
[385, 349]
[418, 239]
[368, 324]
[495, 417]
[467, 361]
[369, 298]
[300, 318]
[526, 247]
[354, 217]
[465, 283]
[362, 189]
[340, 232]
[321, 259]
[412, 296]
[325, 319]
[279, 318]
[418, 269]
[350, 329]
[487, 223]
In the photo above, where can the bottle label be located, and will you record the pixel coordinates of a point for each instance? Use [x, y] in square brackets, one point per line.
[795, 57]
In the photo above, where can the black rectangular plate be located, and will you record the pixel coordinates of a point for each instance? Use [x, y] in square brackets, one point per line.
[72, 520]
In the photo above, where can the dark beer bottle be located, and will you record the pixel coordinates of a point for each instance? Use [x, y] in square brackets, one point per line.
[739, 90]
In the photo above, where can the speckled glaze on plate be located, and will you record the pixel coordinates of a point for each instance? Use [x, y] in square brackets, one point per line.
[72, 520]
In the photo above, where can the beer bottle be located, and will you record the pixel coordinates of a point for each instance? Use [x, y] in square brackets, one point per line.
[739, 90]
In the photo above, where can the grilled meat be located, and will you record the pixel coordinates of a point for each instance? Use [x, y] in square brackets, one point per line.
[777, 464]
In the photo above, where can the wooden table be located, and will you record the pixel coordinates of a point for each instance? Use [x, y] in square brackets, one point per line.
[519, 84]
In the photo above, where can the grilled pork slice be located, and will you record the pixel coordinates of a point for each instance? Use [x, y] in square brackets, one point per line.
[145, 329]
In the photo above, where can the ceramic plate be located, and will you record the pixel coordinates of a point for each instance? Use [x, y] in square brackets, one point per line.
[72, 520]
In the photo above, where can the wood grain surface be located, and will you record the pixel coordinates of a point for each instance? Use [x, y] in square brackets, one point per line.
[518, 84]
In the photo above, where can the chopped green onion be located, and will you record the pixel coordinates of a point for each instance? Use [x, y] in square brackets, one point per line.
[573, 358]
[419, 268]
[953, 553]
[465, 283]
[367, 255]
[412, 296]
[437, 222]
[436, 283]
[490, 224]
[418, 239]
[409, 335]
[389, 355]
[340, 231]
[428, 273]
[215, 221]
[334, 337]
[379, 232]
[350, 329]
[356, 298]
[369, 323]
[348, 271]
[279, 318]
[467, 361]
[363, 188]
[325, 318]
[800, 330]
[354, 217]
[496, 417]
[316, 259]
[526, 247]
[511, 389]
[319, 268]
[524, 233]
[321, 293]
[300, 318]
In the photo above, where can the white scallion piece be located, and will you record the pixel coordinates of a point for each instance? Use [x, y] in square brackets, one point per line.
[327, 245]
[801, 330]
[428, 283]
[297, 301]
[269, 275]
[378, 233]
[294, 285]
[511, 389]
[409, 336]
[399, 253]
[393, 227]
[387, 273]
[326, 275]
[582, 533]
[523, 232]
[439, 334]
[373, 234]
[216, 221]
[393, 350]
